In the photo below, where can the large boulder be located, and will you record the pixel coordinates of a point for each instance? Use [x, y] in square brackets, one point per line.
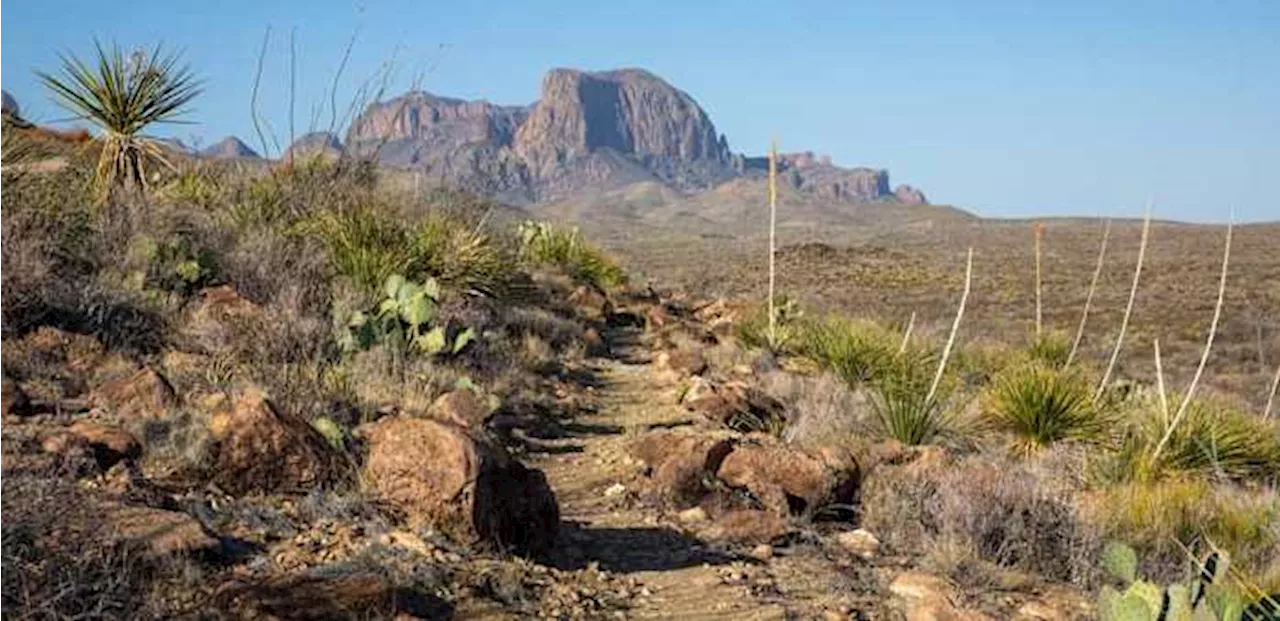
[256, 448]
[459, 482]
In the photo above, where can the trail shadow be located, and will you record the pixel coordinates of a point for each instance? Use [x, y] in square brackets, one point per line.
[627, 550]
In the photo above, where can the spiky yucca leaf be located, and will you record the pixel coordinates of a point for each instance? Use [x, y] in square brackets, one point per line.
[123, 95]
[1040, 405]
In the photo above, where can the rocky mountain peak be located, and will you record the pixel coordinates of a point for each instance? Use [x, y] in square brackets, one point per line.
[230, 147]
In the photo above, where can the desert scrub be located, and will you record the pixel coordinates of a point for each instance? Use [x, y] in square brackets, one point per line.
[1050, 349]
[565, 248]
[753, 330]
[907, 410]
[1038, 405]
[1164, 518]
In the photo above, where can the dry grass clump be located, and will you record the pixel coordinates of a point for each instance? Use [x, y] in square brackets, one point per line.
[1161, 518]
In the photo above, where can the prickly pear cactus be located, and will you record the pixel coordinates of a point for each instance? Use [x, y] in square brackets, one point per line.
[1202, 598]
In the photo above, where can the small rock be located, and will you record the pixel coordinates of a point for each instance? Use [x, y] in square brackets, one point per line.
[462, 407]
[617, 489]
[15, 400]
[859, 542]
[108, 444]
[695, 515]
[762, 552]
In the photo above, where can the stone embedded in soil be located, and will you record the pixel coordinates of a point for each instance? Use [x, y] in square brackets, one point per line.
[15, 400]
[859, 542]
[734, 404]
[144, 394]
[328, 592]
[259, 449]
[925, 597]
[107, 444]
[786, 479]
[746, 526]
[462, 407]
[461, 483]
[681, 462]
[681, 362]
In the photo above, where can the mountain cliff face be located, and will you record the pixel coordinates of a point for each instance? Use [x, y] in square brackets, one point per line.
[589, 131]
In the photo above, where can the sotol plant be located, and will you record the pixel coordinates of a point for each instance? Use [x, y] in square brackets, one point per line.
[405, 320]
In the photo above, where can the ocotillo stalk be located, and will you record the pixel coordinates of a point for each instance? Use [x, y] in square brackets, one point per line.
[955, 327]
[1204, 356]
[773, 221]
[906, 335]
[1088, 298]
[1128, 310]
[1164, 401]
[1275, 382]
[1039, 233]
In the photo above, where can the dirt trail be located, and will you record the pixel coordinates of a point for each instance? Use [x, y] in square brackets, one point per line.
[597, 485]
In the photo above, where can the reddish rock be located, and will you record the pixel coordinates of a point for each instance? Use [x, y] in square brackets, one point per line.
[735, 405]
[258, 449]
[788, 480]
[656, 317]
[158, 533]
[107, 444]
[14, 400]
[142, 395]
[925, 597]
[683, 362]
[747, 526]
[327, 592]
[462, 407]
[680, 463]
[441, 475]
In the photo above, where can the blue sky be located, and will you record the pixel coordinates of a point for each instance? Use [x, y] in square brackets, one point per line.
[1009, 108]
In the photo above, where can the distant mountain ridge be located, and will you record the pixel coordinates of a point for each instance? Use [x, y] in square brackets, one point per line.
[588, 133]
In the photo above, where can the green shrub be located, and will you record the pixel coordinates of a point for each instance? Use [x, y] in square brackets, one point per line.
[364, 244]
[1050, 349]
[857, 351]
[902, 405]
[543, 243]
[459, 255]
[1040, 405]
[1213, 439]
[753, 331]
[406, 320]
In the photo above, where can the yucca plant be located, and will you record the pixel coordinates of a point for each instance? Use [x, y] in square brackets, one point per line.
[1212, 440]
[123, 95]
[1040, 405]
[905, 408]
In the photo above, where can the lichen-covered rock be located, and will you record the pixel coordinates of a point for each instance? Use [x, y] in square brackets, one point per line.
[256, 448]
[440, 474]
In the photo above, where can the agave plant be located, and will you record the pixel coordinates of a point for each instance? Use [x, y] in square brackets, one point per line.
[122, 95]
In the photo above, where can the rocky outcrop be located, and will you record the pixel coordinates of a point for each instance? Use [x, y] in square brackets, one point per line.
[908, 195]
[629, 111]
[229, 148]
